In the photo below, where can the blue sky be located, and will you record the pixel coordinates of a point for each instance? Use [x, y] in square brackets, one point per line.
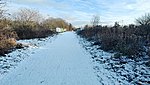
[80, 12]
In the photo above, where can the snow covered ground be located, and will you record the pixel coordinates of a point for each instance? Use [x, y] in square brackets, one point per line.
[60, 62]
[67, 59]
[113, 71]
[11, 60]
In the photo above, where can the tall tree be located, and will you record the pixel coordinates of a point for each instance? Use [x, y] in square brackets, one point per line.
[95, 20]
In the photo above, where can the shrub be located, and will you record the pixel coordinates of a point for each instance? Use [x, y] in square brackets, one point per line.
[29, 30]
[7, 40]
[127, 40]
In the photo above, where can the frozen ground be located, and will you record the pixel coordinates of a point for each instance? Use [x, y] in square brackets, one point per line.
[113, 71]
[60, 62]
[67, 59]
[11, 60]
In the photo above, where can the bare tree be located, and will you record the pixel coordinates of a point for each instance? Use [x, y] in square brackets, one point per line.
[144, 20]
[2, 5]
[95, 20]
[27, 15]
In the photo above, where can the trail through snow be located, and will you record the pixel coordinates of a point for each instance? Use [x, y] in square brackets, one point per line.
[61, 62]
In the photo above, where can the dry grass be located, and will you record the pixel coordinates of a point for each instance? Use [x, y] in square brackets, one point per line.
[7, 40]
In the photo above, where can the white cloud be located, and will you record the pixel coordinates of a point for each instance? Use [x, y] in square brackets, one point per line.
[126, 10]
[79, 12]
[140, 5]
[30, 1]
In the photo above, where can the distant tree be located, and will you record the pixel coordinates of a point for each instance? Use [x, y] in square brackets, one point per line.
[27, 15]
[70, 27]
[3, 19]
[144, 26]
[86, 26]
[144, 20]
[48, 23]
[95, 20]
[53, 23]
[116, 24]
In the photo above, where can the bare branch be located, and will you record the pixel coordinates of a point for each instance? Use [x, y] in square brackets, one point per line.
[144, 20]
[27, 15]
[95, 20]
[2, 11]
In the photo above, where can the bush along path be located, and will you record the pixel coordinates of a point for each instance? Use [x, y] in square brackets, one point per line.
[119, 68]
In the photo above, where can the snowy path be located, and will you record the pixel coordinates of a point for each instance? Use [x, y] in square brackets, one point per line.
[62, 62]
